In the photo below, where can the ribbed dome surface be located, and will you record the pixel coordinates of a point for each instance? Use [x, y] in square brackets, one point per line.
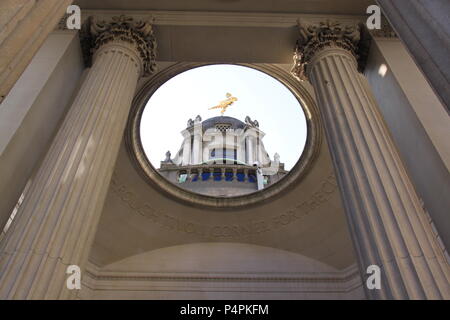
[233, 122]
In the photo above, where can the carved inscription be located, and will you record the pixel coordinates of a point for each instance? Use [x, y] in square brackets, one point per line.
[325, 190]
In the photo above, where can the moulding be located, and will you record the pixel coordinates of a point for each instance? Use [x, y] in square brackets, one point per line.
[223, 19]
[150, 174]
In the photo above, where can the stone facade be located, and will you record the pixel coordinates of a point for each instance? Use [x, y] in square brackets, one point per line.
[357, 198]
[222, 156]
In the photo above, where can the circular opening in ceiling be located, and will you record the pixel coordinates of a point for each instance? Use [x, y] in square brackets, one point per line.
[221, 135]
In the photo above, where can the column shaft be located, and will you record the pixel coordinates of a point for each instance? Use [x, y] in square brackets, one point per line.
[250, 151]
[187, 150]
[55, 226]
[386, 219]
[197, 150]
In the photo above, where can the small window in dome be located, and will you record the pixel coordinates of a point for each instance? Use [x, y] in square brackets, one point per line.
[223, 127]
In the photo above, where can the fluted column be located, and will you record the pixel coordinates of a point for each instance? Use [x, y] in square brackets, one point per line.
[240, 145]
[197, 150]
[386, 220]
[24, 26]
[250, 150]
[56, 223]
[187, 147]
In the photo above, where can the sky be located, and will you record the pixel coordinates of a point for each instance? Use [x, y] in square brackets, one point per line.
[192, 92]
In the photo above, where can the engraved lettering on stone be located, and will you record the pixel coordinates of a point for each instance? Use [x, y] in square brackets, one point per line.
[252, 227]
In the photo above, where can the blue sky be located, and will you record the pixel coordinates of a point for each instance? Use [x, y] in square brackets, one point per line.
[192, 92]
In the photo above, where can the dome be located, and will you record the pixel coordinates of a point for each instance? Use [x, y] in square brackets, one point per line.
[228, 122]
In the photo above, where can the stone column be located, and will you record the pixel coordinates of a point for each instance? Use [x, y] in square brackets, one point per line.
[187, 147]
[424, 28]
[250, 151]
[24, 26]
[386, 220]
[197, 150]
[55, 225]
[206, 153]
[259, 150]
[240, 145]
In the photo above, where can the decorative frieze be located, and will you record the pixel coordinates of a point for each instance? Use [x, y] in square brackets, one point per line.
[96, 33]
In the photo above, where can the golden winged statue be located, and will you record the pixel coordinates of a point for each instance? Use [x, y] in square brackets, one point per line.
[225, 103]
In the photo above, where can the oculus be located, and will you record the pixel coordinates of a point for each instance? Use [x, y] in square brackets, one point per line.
[222, 135]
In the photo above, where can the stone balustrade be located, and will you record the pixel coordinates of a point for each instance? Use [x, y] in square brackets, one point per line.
[213, 172]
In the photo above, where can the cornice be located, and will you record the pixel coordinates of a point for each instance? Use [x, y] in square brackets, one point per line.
[221, 19]
[339, 276]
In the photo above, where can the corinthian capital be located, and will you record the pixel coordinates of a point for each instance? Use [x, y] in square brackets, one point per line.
[96, 34]
[315, 37]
